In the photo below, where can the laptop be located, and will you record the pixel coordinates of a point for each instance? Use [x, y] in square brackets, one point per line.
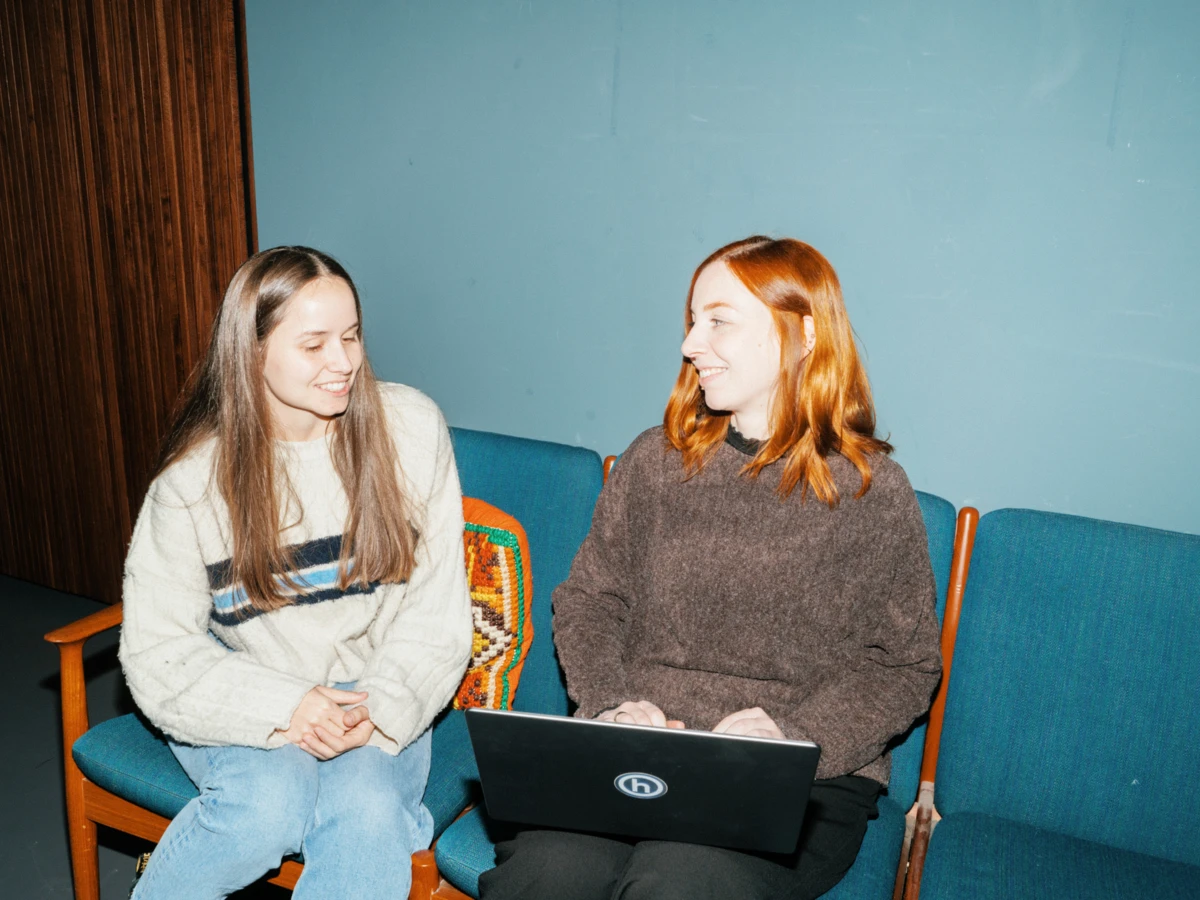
[745, 793]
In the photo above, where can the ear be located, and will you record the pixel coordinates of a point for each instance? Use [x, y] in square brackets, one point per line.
[810, 335]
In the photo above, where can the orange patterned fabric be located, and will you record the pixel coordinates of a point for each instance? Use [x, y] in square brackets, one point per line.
[497, 556]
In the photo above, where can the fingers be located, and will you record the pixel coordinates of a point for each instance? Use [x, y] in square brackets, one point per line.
[342, 697]
[749, 722]
[296, 733]
[313, 742]
[639, 712]
[754, 728]
[324, 745]
[724, 725]
[332, 724]
[360, 734]
[330, 720]
[352, 717]
[631, 713]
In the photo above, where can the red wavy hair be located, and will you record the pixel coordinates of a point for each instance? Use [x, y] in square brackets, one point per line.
[822, 403]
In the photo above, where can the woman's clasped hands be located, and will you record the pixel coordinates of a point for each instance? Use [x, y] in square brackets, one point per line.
[752, 722]
[321, 727]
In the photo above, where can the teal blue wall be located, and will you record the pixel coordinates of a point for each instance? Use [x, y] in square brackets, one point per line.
[1009, 192]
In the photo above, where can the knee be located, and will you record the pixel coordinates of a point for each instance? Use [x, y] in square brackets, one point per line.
[553, 864]
[385, 816]
[267, 814]
[644, 879]
[661, 870]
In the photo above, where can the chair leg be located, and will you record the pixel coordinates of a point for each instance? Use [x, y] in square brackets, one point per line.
[85, 860]
[927, 820]
[910, 822]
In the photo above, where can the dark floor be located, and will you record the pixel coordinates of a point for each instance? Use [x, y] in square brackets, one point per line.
[34, 861]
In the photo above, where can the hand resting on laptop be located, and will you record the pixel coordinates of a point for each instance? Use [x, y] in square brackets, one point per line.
[639, 712]
[750, 722]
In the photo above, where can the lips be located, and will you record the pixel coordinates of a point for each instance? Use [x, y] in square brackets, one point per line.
[708, 373]
[336, 388]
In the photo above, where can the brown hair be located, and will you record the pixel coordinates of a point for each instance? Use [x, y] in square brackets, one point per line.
[822, 404]
[226, 400]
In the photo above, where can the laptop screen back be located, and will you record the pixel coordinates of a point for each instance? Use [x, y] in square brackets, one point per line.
[694, 786]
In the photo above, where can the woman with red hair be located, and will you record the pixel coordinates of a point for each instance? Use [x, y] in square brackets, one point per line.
[755, 566]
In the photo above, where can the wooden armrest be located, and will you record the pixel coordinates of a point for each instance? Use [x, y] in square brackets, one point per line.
[425, 876]
[70, 640]
[82, 629]
[926, 812]
[960, 568]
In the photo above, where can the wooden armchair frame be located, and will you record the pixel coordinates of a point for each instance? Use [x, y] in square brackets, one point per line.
[923, 817]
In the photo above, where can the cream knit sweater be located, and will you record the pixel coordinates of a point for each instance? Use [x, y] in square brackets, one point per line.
[206, 672]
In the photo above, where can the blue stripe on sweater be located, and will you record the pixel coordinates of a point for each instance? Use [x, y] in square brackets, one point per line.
[314, 576]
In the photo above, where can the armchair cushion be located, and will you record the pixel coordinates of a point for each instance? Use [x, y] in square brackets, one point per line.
[988, 858]
[465, 851]
[125, 757]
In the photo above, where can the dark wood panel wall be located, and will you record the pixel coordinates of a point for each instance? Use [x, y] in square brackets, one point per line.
[125, 182]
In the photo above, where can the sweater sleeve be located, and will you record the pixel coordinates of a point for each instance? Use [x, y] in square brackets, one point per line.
[423, 646]
[188, 684]
[593, 607]
[891, 663]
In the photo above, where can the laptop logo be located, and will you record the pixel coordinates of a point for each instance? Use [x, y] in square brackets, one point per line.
[640, 786]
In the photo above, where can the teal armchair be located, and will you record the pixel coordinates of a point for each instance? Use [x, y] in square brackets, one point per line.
[120, 773]
[1067, 761]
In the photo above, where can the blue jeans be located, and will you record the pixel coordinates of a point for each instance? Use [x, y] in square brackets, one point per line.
[357, 818]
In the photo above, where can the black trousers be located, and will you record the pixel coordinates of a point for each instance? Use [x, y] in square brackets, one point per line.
[566, 865]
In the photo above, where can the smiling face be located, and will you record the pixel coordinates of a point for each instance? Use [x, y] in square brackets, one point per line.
[311, 359]
[734, 345]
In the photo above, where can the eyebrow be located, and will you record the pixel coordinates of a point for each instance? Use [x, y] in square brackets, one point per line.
[707, 306]
[319, 332]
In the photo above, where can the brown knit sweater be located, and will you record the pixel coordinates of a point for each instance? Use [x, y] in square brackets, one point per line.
[712, 595]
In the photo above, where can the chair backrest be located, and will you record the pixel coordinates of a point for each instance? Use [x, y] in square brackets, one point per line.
[1072, 705]
[939, 519]
[551, 490]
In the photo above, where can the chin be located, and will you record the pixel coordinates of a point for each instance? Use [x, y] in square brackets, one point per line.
[714, 405]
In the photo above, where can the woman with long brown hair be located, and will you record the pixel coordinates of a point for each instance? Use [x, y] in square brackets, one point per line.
[296, 609]
[755, 566]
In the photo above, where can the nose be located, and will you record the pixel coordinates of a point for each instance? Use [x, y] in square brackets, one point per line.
[693, 343]
[338, 359]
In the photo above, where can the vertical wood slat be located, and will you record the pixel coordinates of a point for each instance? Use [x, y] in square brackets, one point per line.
[124, 184]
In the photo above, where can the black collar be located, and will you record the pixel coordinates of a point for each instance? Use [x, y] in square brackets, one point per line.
[741, 444]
